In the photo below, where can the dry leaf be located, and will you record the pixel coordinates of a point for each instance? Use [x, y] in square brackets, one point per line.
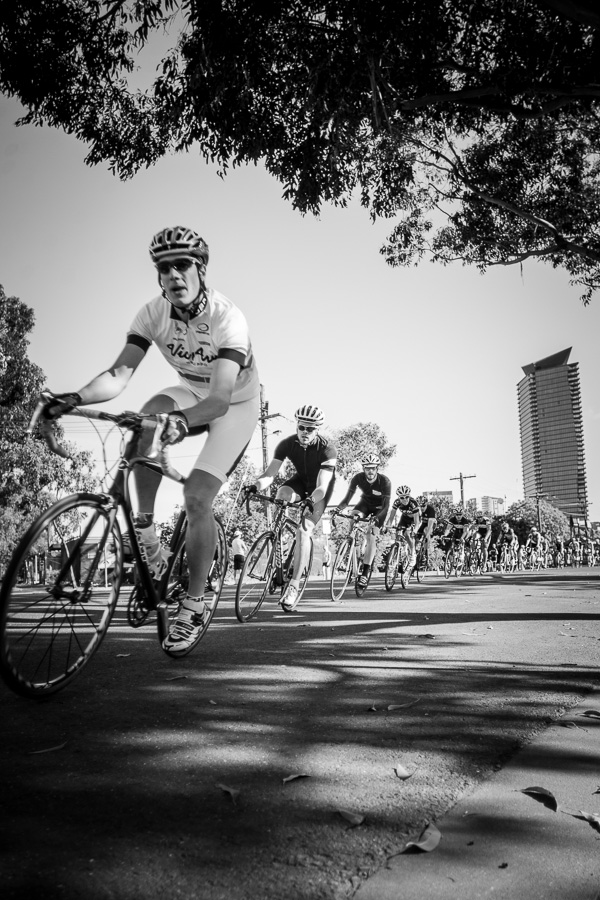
[176, 677]
[403, 773]
[542, 796]
[353, 818]
[233, 792]
[592, 819]
[49, 749]
[428, 839]
[403, 705]
[293, 777]
[591, 713]
[213, 702]
[123, 655]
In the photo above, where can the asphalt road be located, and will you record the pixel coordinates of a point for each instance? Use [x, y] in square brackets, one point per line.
[153, 778]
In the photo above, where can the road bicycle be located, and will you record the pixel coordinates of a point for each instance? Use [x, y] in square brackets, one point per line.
[51, 629]
[533, 558]
[398, 559]
[422, 561]
[348, 560]
[455, 558]
[474, 556]
[268, 567]
[507, 559]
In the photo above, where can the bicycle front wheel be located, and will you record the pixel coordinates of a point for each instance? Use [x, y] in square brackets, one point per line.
[342, 570]
[391, 567]
[449, 563]
[59, 594]
[422, 562]
[255, 578]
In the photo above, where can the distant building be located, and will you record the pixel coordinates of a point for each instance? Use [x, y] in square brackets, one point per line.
[442, 495]
[490, 506]
[551, 426]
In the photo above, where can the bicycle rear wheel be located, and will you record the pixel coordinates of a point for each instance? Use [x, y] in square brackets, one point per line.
[342, 570]
[176, 580]
[391, 566]
[255, 578]
[51, 628]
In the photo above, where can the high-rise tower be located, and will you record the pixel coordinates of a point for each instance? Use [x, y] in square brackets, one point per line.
[552, 433]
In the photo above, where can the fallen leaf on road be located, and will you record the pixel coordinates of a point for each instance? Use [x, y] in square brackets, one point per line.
[49, 749]
[542, 796]
[568, 724]
[428, 839]
[372, 709]
[294, 777]
[591, 713]
[403, 773]
[213, 702]
[123, 655]
[176, 677]
[233, 792]
[353, 818]
[403, 705]
[592, 819]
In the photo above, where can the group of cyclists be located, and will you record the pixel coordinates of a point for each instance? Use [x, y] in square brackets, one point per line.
[204, 337]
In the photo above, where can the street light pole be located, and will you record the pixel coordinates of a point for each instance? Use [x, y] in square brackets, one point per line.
[461, 478]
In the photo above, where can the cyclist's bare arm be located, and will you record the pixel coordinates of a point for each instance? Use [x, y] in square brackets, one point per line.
[112, 382]
[264, 480]
[323, 478]
[222, 383]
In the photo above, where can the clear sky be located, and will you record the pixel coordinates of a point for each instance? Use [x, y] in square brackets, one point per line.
[432, 354]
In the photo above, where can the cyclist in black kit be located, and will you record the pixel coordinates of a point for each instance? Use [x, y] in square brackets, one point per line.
[376, 491]
[314, 458]
[410, 518]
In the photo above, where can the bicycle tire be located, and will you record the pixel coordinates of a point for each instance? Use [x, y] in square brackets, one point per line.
[449, 563]
[255, 577]
[50, 631]
[422, 563]
[391, 566]
[342, 569]
[175, 582]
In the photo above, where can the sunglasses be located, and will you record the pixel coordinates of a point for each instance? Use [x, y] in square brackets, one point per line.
[180, 265]
[308, 428]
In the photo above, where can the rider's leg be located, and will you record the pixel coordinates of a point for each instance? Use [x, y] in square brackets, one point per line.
[371, 546]
[200, 490]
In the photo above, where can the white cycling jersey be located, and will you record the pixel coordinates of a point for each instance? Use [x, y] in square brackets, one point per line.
[219, 331]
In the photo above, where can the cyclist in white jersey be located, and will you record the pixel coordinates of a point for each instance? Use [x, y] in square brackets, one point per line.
[204, 337]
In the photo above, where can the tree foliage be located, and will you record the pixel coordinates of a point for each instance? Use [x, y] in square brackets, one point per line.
[354, 441]
[474, 125]
[30, 475]
[523, 515]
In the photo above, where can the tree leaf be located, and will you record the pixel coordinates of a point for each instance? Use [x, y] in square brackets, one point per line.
[591, 713]
[49, 749]
[403, 705]
[591, 818]
[349, 816]
[543, 796]
[294, 777]
[403, 773]
[233, 792]
[123, 655]
[428, 839]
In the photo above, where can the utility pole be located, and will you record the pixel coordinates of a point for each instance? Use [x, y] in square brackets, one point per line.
[461, 478]
[264, 416]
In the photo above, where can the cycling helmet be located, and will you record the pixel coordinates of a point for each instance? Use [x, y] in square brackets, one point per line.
[403, 491]
[310, 415]
[370, 459]
[177, 241]
[504, 526]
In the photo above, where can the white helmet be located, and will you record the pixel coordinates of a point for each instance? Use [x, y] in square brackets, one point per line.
[370, 459]
[310, 415]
